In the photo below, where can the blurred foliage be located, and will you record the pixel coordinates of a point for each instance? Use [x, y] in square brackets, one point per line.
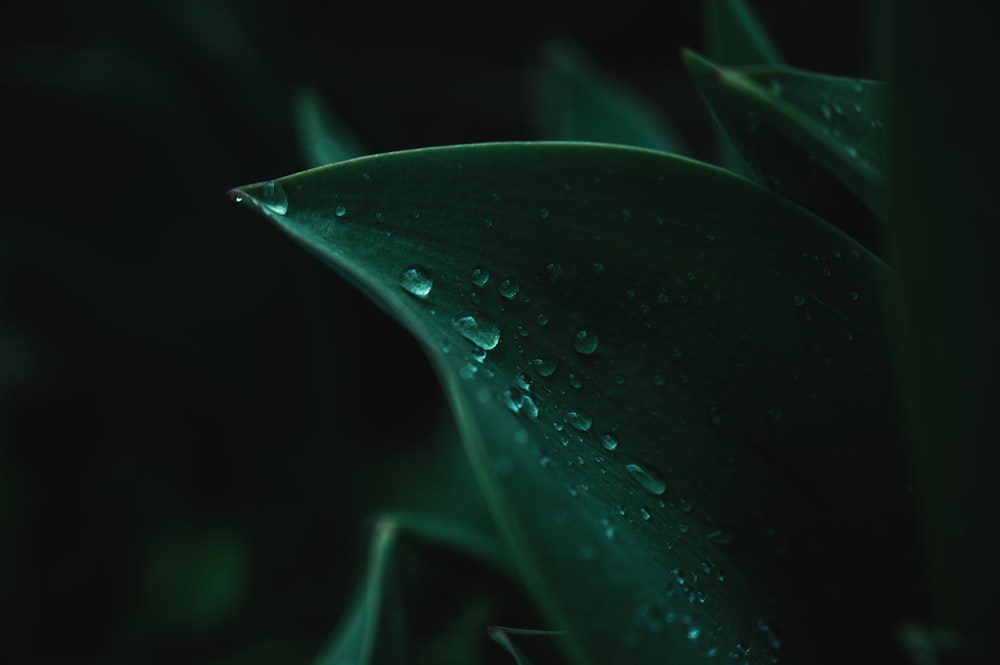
[192, 422]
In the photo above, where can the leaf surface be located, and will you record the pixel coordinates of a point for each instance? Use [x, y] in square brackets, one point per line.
[671, 384]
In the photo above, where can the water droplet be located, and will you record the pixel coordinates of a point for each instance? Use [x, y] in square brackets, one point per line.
[776, 88]
[416, 280]
[544, 213]
[340, 211]
[579, 419]
[858, 86]
[684, 504]
[589, 553]
[468, 371]
[662, 298]
[694, 633]
[651, 479]
[658, 380]
[826, 113]
[481, 331]
[554, 270]
[495, 197]
[585, 342]
[509, 287]
[379, 217]
[273, 197]
[598, 268]
[480, 276]
[799, 301]
[519, 402]
[645, 514]
[415, 215]
[479, 354]
[851, 151]
[523, 381]
[609, 441]
[620, 380]
[542, 319]
[721, 537]
[626, 214]
[543, 367]
[574, 380]
[854, 295]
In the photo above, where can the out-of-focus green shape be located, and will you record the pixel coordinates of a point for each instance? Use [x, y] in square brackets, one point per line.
[672, 386]
[372, 630]
[323, 138]
[817, 140]
[582, 103]
[943, 207]
[734, 36]
[501, 635]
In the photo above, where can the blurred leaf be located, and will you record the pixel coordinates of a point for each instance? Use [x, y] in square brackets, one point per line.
[734, 36]
[582, 103]
[501, 635]
[671, 384]
[323, 138]
[801, 133]
[943, 205]
[372, 631]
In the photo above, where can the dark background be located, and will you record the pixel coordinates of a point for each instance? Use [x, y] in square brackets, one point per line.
[195, 416]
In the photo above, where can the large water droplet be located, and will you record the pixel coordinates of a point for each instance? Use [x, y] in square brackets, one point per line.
[609, 441]
[480, 276]
[273, 197]
[651, 480]
[479, 330]
[417, 280]
[585, 341]
[509, 287]
[579, 419]
[543, 367]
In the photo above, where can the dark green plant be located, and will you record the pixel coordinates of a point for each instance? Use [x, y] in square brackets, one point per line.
[674, 384]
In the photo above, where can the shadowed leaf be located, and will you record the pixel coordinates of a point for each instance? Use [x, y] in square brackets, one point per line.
[324, 139]
[672, 386]
[817, 140]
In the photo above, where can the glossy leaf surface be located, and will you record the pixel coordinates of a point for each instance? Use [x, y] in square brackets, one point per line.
[671, 384]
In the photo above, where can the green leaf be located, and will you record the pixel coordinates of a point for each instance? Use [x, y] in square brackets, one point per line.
[324, 139]
[734, 36]
[804, 134]
[582, 103]
[672, 386]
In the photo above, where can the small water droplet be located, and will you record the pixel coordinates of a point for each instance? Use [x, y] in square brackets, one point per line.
[542, 319]
[340, 211]
[620, 380]
[585, 341]
[509, 287]
[799, 301]
[554, 270]
[544, 213]
[662, 298]
[721, 537]
[851, 151]
[479, 330]
[684, 504]
[609, 440]
[574, 380]
[379, 217]
[626, 214]
[495, 197]
[658, 380]
[523, 381]
[479, 354]
[416, 280]
[650, 478]
[694, 633]
[854, 295]
[579, 420]
[827, 115]
[273, 197]
[858, 86]
[598, 268]
[480, 276]
[544, 368]
[644, 514]
[776, 88]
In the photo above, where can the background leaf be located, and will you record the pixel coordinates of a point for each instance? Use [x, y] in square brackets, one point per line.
[734, 36]
[658, 362]
[324, 139]
[581, 103]
[801, 133]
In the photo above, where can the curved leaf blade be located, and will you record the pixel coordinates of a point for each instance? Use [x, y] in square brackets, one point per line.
[739, 346]
[800, 132]
[323, 138]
